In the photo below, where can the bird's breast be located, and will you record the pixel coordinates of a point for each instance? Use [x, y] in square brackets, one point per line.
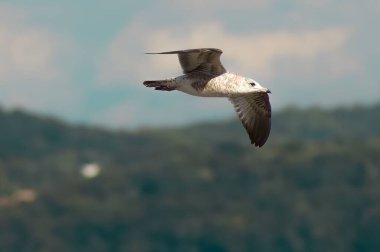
[223, 85]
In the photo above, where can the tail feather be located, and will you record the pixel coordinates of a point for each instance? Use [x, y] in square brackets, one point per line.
[163, 85]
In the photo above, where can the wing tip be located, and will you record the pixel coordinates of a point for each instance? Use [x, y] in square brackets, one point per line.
[198, 50]
[258, 144]
[260, 136]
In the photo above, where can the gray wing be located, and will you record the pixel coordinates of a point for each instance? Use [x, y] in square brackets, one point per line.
[254, 111]
[206, 60]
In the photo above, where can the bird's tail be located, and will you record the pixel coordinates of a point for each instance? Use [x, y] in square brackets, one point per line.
[163, 85]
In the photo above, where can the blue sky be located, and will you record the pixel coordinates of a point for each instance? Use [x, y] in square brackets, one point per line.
[83, 60]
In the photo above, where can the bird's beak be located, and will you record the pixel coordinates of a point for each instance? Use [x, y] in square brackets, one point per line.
[268, 91]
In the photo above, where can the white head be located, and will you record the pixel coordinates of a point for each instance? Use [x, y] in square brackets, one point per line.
[255, 85]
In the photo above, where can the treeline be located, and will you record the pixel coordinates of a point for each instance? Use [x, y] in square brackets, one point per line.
[315, 185]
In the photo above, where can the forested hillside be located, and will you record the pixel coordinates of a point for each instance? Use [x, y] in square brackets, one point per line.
[315, 185]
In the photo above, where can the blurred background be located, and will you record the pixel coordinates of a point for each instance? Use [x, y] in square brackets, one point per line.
[91, 160]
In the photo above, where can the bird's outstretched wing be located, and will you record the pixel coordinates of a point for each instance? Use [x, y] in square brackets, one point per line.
[206, 60]
[254, 111]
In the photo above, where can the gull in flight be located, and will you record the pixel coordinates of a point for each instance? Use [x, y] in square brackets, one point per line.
[204, 75]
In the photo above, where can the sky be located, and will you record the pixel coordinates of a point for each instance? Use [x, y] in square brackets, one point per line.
[83, 61]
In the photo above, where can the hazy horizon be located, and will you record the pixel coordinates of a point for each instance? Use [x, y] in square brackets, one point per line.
[202, 121]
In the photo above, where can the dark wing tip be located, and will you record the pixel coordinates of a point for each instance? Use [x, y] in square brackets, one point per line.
[197, 50]
[259, 134]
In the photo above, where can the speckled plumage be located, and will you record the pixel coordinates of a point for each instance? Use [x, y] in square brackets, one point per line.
[204, 75]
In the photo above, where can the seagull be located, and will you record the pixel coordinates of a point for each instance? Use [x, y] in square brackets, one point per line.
[205, 76]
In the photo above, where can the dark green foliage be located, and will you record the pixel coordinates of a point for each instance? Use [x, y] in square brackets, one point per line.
[315, 186]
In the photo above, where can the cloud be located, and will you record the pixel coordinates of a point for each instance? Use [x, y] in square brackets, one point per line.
[244, 53]
[26, 52]
[215, 5]
[33, 64]
[26, 55]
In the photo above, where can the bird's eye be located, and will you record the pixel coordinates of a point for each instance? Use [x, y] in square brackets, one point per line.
[252, 84]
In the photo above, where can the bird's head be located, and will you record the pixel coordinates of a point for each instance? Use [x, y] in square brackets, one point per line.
[256, 86]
